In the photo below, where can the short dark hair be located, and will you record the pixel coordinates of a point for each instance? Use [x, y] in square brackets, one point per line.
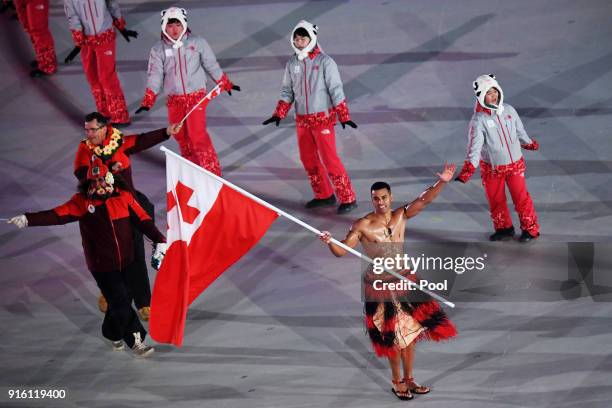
[379, 185]
[173, 20]
[302, 32]
[102, 120]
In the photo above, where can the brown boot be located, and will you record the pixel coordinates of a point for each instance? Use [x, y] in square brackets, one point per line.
[102, 305]
[144, 313]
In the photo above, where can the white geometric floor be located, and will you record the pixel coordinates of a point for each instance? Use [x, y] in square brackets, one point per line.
[283, 327]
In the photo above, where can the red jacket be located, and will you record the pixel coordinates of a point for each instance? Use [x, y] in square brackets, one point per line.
[131, 144]
[106, 232]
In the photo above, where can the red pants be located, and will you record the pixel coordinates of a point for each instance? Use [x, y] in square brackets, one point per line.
[34, 16]
[193, 139]
[495, 188]
[99, 65]
[322, 164]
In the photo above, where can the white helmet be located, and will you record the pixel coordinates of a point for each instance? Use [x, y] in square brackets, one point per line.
[179, 14]
[312, 33]
[482, 84]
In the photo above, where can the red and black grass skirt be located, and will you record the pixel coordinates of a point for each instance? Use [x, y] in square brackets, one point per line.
[429, 314]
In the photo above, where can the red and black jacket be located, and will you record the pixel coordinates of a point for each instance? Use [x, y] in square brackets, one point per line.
[131, 144]
[106, 230]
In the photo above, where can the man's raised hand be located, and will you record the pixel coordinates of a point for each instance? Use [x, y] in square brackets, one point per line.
[447, 173]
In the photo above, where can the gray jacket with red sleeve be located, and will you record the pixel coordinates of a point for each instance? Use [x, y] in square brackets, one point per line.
[91, 21]
[496, 138]
[182, 71]
[315, 87]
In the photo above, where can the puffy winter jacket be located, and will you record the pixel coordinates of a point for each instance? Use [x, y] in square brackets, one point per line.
[91, 21]
[495, 138]
[314, 85]
[106, 230]
[181, 71]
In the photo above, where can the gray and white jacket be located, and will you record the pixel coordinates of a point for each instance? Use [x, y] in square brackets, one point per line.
[314, 85]
[180, 71]
[495, 139]
[91, 20]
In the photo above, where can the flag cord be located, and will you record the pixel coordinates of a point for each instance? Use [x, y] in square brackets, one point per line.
[302, 223]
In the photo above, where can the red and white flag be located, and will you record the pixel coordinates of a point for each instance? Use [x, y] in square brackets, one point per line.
[210, 227]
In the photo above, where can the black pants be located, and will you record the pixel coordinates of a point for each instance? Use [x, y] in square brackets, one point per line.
[120, 321]
[137, 273]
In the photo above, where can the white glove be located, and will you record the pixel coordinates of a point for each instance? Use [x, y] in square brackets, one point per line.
[20, 221]
[158, 255]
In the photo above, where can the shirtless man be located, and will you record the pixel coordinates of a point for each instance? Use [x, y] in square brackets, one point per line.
[395, 325]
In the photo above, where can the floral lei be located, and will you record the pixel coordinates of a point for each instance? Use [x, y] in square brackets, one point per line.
[111, 145]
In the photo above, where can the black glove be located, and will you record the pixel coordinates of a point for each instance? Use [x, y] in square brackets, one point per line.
[272, 119]
[349, 123]
[459, 179]
[142, 109]
[128, 33]
[6, 5]
[75, 51]
[235, 88]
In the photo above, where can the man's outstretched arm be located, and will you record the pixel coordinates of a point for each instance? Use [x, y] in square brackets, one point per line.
[351, 240]
[427, 196]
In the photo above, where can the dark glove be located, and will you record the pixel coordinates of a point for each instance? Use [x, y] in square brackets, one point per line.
[272, 119]
[235, 88]
[75, 51]
[128, 33]
[349, 123]
[142, 109]
[458, 178]
[5, 5]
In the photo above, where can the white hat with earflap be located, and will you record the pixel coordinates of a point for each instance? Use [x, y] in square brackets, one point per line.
[311, 29]
[176, 13]
[482, 84]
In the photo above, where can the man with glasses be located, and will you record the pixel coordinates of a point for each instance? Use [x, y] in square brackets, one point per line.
[114, 149]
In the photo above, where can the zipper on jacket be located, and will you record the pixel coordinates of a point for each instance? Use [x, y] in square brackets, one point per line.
[305, 85]
[93, 21]
[115, 237]
[181, 72]
[504, 132]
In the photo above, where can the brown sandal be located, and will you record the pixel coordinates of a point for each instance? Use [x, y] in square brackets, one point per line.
[403, 395]
[415, 387]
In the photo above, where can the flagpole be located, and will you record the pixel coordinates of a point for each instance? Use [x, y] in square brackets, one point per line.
[208, 96]
[300, 222]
